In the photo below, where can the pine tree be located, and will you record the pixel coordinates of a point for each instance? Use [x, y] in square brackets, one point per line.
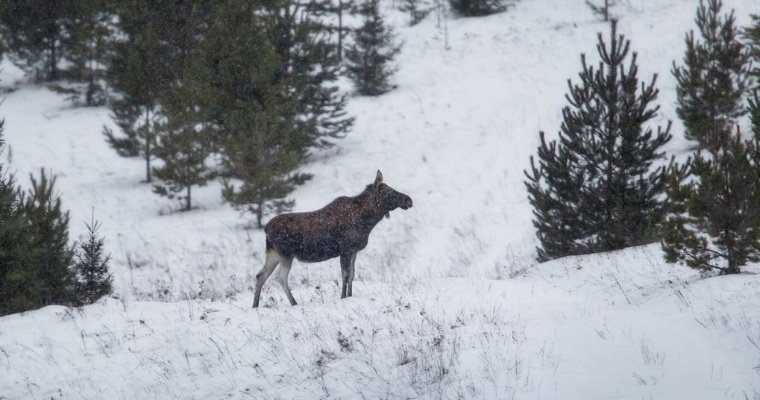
[249, 105]
[52, 255]
[417, 10]
[478, 8]
[140, 76]
[2, 29]
[35, 257]
[17, 289]
[754, 112]
[602, 8]
[334, 23]
[752, 35]
[713, 79]
[309, 63]
[90, 29]
[34, 30]
[595, 189]
[93, 279]
[553, 191]
[372, 52]
[715, 219]
[159, 38]
[183, 144]
[180, 25]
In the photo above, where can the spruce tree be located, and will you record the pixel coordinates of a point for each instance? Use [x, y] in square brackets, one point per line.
[595, 188]
[183, 144]
[51, 253]
[714, 223]
[250, 106]
[713, 78]
[34, 31]
[139, 75]
[93, 279]
[478, 8]
[373, 50]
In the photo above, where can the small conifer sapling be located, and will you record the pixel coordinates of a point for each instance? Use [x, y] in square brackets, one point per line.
[93, 278]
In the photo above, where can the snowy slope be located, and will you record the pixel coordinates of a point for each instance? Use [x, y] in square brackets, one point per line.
[449, 301]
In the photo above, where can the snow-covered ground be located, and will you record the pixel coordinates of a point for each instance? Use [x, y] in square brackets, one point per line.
[449, 301]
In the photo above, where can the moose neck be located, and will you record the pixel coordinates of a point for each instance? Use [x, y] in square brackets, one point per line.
[370, 210]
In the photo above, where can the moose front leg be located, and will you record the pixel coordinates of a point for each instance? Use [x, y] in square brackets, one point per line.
[345, 272]
[352, 269]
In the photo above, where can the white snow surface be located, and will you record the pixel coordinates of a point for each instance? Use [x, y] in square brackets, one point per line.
[449, 301]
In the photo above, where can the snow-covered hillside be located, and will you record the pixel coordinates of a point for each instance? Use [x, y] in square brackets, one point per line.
[449, 301]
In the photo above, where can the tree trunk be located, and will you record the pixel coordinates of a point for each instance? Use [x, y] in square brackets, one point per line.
[148, 135]
[188, 202]
[259, 215]
[733, 268]
[148, 177]
[733, 263]
[340, 30]
[90, 97]
[53, 75]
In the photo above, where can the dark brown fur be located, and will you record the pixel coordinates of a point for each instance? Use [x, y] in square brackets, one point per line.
[340, 229]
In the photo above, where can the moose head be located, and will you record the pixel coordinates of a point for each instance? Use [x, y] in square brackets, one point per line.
[387, 199]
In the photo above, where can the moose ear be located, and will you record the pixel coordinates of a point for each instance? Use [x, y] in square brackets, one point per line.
[379, 178]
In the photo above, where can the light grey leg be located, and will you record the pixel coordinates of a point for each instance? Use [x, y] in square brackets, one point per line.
[351, 271]
[282, 277]
[345, 271]
[269, 265]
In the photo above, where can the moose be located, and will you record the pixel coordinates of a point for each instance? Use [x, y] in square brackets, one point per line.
[340, 229]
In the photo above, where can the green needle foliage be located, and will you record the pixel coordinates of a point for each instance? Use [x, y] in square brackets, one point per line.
[754, 112]
[370, 57]
[752, 35]
[595, 189]
[35, 33]
[88, 46]
[183, 145]
[139, 74]
[417, 10]
[253, 113]
[51, 253]
[93, 279]
[309, 64]
[713, 78]
[16, 275]
[714, 221]
[478, 8]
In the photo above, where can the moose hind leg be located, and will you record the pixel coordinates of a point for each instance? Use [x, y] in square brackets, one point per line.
[269, 265]
[345, 271]
[282, 277]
